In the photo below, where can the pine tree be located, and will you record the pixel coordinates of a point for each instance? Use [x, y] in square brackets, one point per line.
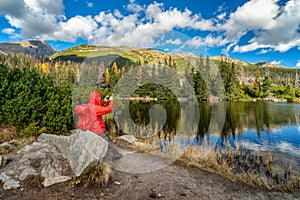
[266, 86]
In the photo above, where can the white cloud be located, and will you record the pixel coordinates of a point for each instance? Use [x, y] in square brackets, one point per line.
[74, 28]
[90, 4]
[134, 7]
[175, 42]
[273, 26]
[174, 18]
[34, 17]
[222, 16]
[8, 31]
[250, 47]
[208, 41]
[117, 13]
[133, 30]
[227, 49]
[275, 62]
[298, 64]
[253, 15]
[264, 51]
[12, 7]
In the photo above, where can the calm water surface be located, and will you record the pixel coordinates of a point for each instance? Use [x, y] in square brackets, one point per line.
[264, 126]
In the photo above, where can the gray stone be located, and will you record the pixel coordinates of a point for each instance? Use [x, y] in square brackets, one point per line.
[58, 179]
[55, 158]
[37, 159]
[9, 183]
[8, 144]
[1, 159]
[129, 138]
[81, 149]
[4, 177]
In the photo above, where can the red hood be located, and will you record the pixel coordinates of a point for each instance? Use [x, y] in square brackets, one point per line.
[94, 98]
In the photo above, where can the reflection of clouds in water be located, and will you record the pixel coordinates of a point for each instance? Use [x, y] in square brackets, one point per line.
[276, 130]
[283, 147]
[298, 128]
[253, 146]
[286, 147]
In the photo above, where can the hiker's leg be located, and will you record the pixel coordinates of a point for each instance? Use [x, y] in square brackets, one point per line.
[116, 153]
[105, 136]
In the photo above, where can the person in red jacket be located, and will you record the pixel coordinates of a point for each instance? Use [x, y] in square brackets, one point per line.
[90, 117]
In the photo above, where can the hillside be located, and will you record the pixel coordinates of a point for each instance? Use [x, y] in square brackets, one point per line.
[121, 54]
[32, 47]
[79, 53]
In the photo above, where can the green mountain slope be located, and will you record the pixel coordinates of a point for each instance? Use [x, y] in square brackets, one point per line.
[130, 54]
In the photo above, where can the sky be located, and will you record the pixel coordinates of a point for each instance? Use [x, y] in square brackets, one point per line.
[249, 30]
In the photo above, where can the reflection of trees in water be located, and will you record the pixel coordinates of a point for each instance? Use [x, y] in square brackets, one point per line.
[139, 112]
[261, 116]
[240, 116]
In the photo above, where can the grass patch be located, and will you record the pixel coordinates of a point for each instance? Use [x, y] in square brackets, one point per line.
[97, 175]
[34, 180]
[9, 134]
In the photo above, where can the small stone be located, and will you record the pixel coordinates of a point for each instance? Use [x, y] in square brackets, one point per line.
[155, 195]
[8, 144]
[128, 138]
[11, 184]
[51, 181]
[117, 183]
[1, 161]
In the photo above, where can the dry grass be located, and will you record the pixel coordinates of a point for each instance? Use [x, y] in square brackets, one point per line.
[9, 134]
[97, 175]
[34, 180]
[239, 165]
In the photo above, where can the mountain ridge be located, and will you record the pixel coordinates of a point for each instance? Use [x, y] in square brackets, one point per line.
[147, 54]
[42, 48]
[32, 47]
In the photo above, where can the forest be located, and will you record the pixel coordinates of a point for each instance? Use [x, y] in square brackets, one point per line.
[38, 94]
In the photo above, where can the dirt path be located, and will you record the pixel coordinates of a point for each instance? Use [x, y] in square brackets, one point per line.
[181, 182]
[175, 181]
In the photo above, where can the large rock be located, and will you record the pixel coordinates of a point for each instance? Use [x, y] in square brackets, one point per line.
[36, 159]
[55, 158]
[81, 149]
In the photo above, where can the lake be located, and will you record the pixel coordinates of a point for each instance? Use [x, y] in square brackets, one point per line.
[254, 126]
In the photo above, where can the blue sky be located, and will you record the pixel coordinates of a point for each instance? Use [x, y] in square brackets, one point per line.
[249, 30]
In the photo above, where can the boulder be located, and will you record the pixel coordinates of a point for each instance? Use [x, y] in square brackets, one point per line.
[55, 158]
[37, 159]
[81, 149]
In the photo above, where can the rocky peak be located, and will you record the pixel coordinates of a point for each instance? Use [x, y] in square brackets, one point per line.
[32, 47]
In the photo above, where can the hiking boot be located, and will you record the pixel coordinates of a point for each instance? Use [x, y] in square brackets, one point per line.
[117, 155]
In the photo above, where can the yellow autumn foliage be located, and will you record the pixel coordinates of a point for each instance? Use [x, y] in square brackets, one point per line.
[45, 68]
